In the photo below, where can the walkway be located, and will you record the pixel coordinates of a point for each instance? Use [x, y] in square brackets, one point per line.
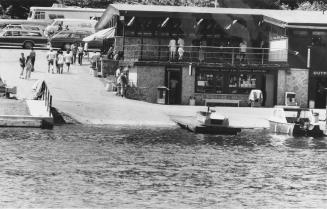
[83, 97]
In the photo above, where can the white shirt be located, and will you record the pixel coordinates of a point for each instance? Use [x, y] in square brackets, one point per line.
[68, 57]
[60, 59]
[243, 47]
[172, 45]
[181, 42]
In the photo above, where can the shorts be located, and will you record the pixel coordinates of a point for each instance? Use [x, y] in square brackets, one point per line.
[68, 64]
[50, 62]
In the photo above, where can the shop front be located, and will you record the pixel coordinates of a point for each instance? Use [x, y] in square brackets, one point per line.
[234, 84]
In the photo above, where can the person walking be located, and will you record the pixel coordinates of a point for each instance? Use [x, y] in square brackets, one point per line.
[32, 56]
[22, 62]
[123, 84]
[29, 67]
[74, 52]
[80, 51]
[60, 62]
[51, 56]
[68, 57]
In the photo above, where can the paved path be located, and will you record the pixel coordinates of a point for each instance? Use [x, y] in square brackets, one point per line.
[83, 97]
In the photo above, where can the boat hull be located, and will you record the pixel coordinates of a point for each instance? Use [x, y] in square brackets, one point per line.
[294, 129]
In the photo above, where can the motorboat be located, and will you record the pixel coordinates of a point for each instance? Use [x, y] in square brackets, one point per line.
[294, 120]
[207, 122]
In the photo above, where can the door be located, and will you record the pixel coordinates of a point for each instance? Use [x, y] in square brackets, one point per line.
[174, 84]
[270, 90]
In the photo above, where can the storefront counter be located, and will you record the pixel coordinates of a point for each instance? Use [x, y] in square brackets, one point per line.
[200, 98]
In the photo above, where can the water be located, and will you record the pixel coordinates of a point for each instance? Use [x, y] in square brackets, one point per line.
[101, 167]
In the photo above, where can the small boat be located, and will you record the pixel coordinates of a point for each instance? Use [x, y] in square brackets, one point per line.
[207, 122]
[294, 121]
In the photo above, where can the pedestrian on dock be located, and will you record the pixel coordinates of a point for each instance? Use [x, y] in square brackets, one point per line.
[74, 52]
[60, 62]
[68, 56]
[80, 51]
[32, 56]
[22, 62]
[29, 67]
[51, 56]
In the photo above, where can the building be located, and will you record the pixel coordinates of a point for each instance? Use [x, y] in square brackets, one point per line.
[226, 52]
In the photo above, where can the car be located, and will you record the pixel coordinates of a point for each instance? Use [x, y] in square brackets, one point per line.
[23, 27]
[24, 38]
[64, 39]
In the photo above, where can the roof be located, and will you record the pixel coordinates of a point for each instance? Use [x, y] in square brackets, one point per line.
[184, 9]
[68, 9]
[282, 18]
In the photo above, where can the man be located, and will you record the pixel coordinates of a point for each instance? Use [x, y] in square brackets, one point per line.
[243, 46]
[172, 49]
[74, 52]
[32, 56]
[68, 57]
[51, 56]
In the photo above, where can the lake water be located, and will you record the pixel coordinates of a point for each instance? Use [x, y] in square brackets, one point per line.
[102, 167]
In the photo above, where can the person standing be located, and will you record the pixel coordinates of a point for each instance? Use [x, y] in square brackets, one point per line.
[51, 55]
[123, 84]
[180, 50]
[60, 61]
[80, 51]
[172, 49]
[243, 46]
[32, 56]
[74, 52]
[68, 59]
[22, 62]
[28, 67]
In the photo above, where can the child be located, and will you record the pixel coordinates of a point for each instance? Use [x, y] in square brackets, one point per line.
[22, 61]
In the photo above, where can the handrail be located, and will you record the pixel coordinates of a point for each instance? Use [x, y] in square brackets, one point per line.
[206, 54]
[47, 97]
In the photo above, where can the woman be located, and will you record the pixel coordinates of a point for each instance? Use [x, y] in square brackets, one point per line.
[60, 59]
[29, 67]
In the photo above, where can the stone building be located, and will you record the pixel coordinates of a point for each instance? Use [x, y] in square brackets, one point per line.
[226, 52]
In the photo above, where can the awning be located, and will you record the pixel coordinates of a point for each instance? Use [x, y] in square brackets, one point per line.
[102, 34]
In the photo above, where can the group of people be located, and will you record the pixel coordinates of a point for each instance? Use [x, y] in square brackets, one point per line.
[58, 59]
[173, 44]
[27, 64]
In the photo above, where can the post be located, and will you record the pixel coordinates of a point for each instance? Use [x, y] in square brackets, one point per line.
[233, 56]
[309, 57]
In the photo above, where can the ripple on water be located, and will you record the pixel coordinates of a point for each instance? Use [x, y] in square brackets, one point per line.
[83, 166]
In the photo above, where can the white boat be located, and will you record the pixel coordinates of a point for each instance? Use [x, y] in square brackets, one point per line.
[295, 121]
[207, 122]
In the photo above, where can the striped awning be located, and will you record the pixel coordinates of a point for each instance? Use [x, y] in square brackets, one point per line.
[102, 34]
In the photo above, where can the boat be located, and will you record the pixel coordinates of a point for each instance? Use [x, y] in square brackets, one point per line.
[207, 122]
[295, 121]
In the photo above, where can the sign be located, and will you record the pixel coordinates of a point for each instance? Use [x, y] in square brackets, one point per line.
[233, 70]
[319, 74]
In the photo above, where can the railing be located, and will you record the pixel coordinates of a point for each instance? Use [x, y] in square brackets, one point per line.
[47, 97]
[208, 54]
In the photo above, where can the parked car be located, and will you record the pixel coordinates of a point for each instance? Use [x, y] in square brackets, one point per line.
[24, 38]
[24, 27]
[64, 39]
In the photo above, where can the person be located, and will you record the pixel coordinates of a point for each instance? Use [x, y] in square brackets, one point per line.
[28, 67]
[60, 62]
[203, 45]
[74, 52]
[32, 56]
[51, 55]
[123, 84]
[243, 46]
[180, 50]
[86, 49]
[68, 58]
[80, 51]
[60, 27]
[173, 88]
[172, 49]
[110, 52]
[22, 62]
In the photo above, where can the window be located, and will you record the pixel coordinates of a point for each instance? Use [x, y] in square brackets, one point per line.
[39, 15]
[16, 33]
[55, 16]
[8, 33]
[62, 35]
[209, 82]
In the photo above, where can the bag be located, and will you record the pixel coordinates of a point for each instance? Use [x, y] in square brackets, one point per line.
[32, 69]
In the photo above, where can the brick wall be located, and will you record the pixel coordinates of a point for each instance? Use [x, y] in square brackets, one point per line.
[293, 80]
[149, 78]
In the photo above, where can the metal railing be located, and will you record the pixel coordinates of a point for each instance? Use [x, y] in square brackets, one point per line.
[47, 97]
[208, 54]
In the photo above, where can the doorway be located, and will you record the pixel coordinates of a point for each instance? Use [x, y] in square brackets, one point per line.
[269, 90]
[320, 98]
[174, 83]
